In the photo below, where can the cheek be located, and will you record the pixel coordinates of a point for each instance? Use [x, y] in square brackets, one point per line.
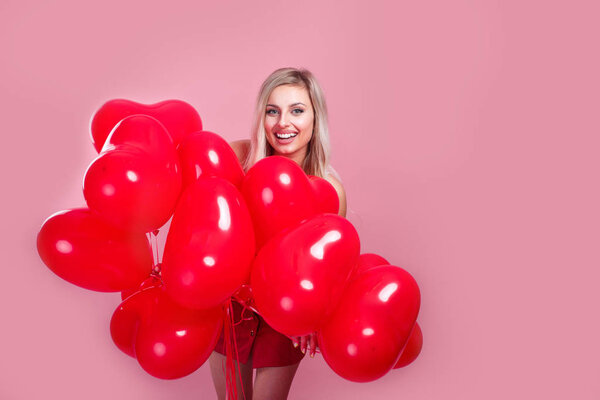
[268, 128]
[309, 124]
[306, 122]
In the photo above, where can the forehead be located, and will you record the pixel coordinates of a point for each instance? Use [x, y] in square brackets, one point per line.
[289, 94]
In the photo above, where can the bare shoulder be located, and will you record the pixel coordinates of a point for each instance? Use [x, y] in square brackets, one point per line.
[334, 181]
[339, 188]
[241, 148]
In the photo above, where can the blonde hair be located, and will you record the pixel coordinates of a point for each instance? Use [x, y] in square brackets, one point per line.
[317, 155]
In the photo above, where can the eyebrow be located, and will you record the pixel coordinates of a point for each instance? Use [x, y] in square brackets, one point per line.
[291, 105]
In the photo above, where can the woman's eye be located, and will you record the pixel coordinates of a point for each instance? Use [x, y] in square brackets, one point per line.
[299, 110]
[273, 111]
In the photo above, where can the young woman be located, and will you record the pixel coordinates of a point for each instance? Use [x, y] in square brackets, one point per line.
[290, 121]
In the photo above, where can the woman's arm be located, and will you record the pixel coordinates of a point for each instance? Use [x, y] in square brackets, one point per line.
[339, 188]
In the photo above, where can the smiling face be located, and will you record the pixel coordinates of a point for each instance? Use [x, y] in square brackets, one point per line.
[289, 121]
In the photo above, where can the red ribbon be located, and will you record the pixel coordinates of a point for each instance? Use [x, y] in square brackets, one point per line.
[231, 349]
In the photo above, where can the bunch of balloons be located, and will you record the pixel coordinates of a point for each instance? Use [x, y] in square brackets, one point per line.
[273, 230]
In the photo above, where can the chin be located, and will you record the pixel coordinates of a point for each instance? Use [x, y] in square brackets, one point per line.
[283, 151]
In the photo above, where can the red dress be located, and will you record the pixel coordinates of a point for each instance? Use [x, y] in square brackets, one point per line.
[256, 338]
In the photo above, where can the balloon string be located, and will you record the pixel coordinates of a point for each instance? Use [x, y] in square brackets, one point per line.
[244, 310]
[231, 348]
[246, 303]
[229, 385]
[237, 356]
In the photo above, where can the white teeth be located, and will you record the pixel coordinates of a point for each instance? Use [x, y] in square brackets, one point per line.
[285, 135]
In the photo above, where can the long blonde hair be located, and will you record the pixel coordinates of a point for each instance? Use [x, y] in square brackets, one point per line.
[317, 156]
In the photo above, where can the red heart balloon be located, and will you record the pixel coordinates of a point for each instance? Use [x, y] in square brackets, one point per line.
[326, 195]
[368, 261]
[178, 117]
[125, 320]
[169, 341]
[208, 154]
[80, 247]
[135, 181]
[412, 349]
[363, 339]
[210, 245]
[279, 195]
[299, 275]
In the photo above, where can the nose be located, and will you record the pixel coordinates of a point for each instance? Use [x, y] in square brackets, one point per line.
[282, 121]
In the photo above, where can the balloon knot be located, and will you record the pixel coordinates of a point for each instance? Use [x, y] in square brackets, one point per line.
[156, 269]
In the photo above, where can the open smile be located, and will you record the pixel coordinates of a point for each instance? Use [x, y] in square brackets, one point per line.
[280, 135]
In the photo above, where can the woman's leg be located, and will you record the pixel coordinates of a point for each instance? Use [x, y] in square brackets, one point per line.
[273, 383]
[217, 368]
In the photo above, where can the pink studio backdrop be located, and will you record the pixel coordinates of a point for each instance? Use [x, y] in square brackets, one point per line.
[465, 132]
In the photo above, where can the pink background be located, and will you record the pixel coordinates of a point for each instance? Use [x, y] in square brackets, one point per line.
[466, 134]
